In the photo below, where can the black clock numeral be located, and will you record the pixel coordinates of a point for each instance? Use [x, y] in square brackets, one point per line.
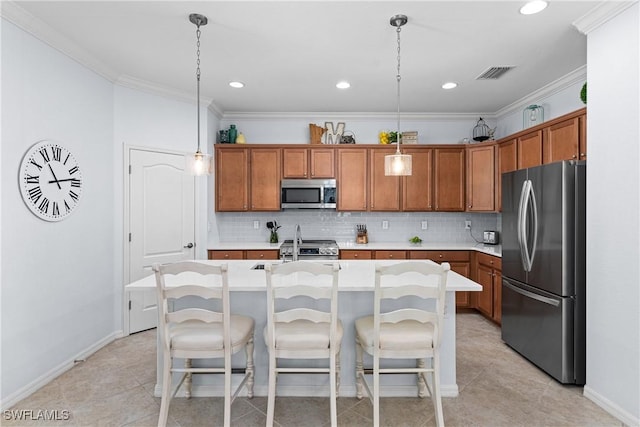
[73, 195]
[75, 182]
[33, 162]
[44, 205]
[45, 155]
[56, 153]
[66, 158]
[56, 209]
[66, 206]
[73, 170]
[33, 179]
[35, 193]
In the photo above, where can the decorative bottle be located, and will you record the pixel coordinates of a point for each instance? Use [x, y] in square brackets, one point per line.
[233, 134]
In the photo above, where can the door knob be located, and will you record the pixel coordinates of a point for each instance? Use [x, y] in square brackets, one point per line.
[188, 245]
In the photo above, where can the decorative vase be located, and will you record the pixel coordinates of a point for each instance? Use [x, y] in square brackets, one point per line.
[233, 134]
[274, 237]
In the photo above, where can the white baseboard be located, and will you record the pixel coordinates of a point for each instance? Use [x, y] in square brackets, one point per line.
[447, 390]
[8, 401]
[610, 407]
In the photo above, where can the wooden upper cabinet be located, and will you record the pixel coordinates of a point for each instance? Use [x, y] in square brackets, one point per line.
[481, 178]
[530, 149]
[308, 163]
[583, 136]
[265, 179]
[506, 161]
[449, 179]
[232, 180]
[352, 179]
[561, 141]
[384, 190]
[322, 163]
[417, 188]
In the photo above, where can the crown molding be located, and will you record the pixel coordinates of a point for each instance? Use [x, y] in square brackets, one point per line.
[576, 76]
[362, 116]
[13, 13]
[601, 14]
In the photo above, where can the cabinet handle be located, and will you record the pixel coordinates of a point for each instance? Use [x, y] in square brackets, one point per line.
[469, 206]
[574, 156]
[226, 255]
[261, 255]
[440, 256]
[582, 155]
[355, 255]
[390, 255]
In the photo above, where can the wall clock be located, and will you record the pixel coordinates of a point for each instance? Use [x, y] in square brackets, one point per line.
[50, 181]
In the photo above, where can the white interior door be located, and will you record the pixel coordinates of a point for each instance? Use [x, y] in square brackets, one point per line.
[161, 224]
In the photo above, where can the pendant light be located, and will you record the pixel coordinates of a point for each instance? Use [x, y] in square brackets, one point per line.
[398, 164]
[199, 163]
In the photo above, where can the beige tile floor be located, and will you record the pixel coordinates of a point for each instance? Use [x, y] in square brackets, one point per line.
[497, 388]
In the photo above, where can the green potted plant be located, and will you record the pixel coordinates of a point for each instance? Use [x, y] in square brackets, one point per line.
[273, 227]
[583, 93]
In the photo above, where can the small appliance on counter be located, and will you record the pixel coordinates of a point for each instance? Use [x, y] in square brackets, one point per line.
[490, 237]
[361, 236]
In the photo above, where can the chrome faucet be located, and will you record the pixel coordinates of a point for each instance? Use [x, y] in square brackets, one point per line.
[297, 240]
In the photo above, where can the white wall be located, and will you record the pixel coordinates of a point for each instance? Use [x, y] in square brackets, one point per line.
[613, 229]
[57, 278]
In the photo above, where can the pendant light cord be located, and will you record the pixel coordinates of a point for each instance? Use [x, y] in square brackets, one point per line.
[198, 82]
[398, 95]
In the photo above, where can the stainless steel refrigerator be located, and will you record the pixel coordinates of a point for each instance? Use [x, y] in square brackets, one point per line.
[543, 267]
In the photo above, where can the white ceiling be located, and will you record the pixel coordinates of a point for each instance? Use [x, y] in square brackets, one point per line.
[291, 54]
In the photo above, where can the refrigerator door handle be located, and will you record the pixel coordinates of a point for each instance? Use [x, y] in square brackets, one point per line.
[531, 295]
[527, 204]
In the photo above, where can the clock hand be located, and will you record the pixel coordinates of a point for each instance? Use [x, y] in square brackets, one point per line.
[55, 179]
[61, 180]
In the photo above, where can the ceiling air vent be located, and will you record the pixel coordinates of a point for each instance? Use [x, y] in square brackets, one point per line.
[493, 73]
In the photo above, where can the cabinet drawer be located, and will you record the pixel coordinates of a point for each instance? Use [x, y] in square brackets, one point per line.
[489, 260]
[391, 255]
[226, 255]
[440, 256]
[266, 254]
[347, 254]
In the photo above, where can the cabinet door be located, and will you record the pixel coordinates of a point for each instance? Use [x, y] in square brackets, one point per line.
[391, 255]
[215, 254]
[294, 163]
[417, 188]
[481, 178]
[561, 141]
[583, 136]
[384, 190]
[355, 254]
[265, 179]
[497, 296]
[507, 161]
[322, 163]
[263, 254]
[232, 185]
[352, 179]
[530, 150]
[463, 298]
[449, 179]
[484, 298]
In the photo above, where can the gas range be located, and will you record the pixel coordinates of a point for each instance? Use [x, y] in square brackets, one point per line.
[310, 250]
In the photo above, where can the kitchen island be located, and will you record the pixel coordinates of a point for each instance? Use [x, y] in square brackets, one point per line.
[355, 299]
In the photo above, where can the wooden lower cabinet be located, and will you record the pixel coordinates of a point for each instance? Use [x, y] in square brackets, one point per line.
[391, 255]
[269, 254]
[488, 272]
[459, 262]
[355, 254]
[215, 254]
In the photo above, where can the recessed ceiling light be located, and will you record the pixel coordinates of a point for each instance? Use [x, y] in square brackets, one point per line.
[343, 85]
[236, 85]
[533, 7]
[449, 85]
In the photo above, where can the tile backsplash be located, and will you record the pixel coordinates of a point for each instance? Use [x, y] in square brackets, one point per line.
[327, 224]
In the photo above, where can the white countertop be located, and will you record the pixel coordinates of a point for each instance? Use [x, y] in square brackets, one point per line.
[354, 275]
[495, 250]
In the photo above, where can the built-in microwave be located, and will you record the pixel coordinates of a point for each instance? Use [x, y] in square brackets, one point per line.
[308, 194]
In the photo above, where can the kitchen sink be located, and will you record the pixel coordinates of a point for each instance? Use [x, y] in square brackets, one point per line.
[260, 265]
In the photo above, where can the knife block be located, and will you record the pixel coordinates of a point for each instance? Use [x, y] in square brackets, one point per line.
[362, 238]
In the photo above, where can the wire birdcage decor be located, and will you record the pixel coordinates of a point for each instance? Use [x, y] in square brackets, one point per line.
[481, 131]
[532, 115]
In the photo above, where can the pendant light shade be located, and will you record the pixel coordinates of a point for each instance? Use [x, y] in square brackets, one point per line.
[398, 164]
[199, 163]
